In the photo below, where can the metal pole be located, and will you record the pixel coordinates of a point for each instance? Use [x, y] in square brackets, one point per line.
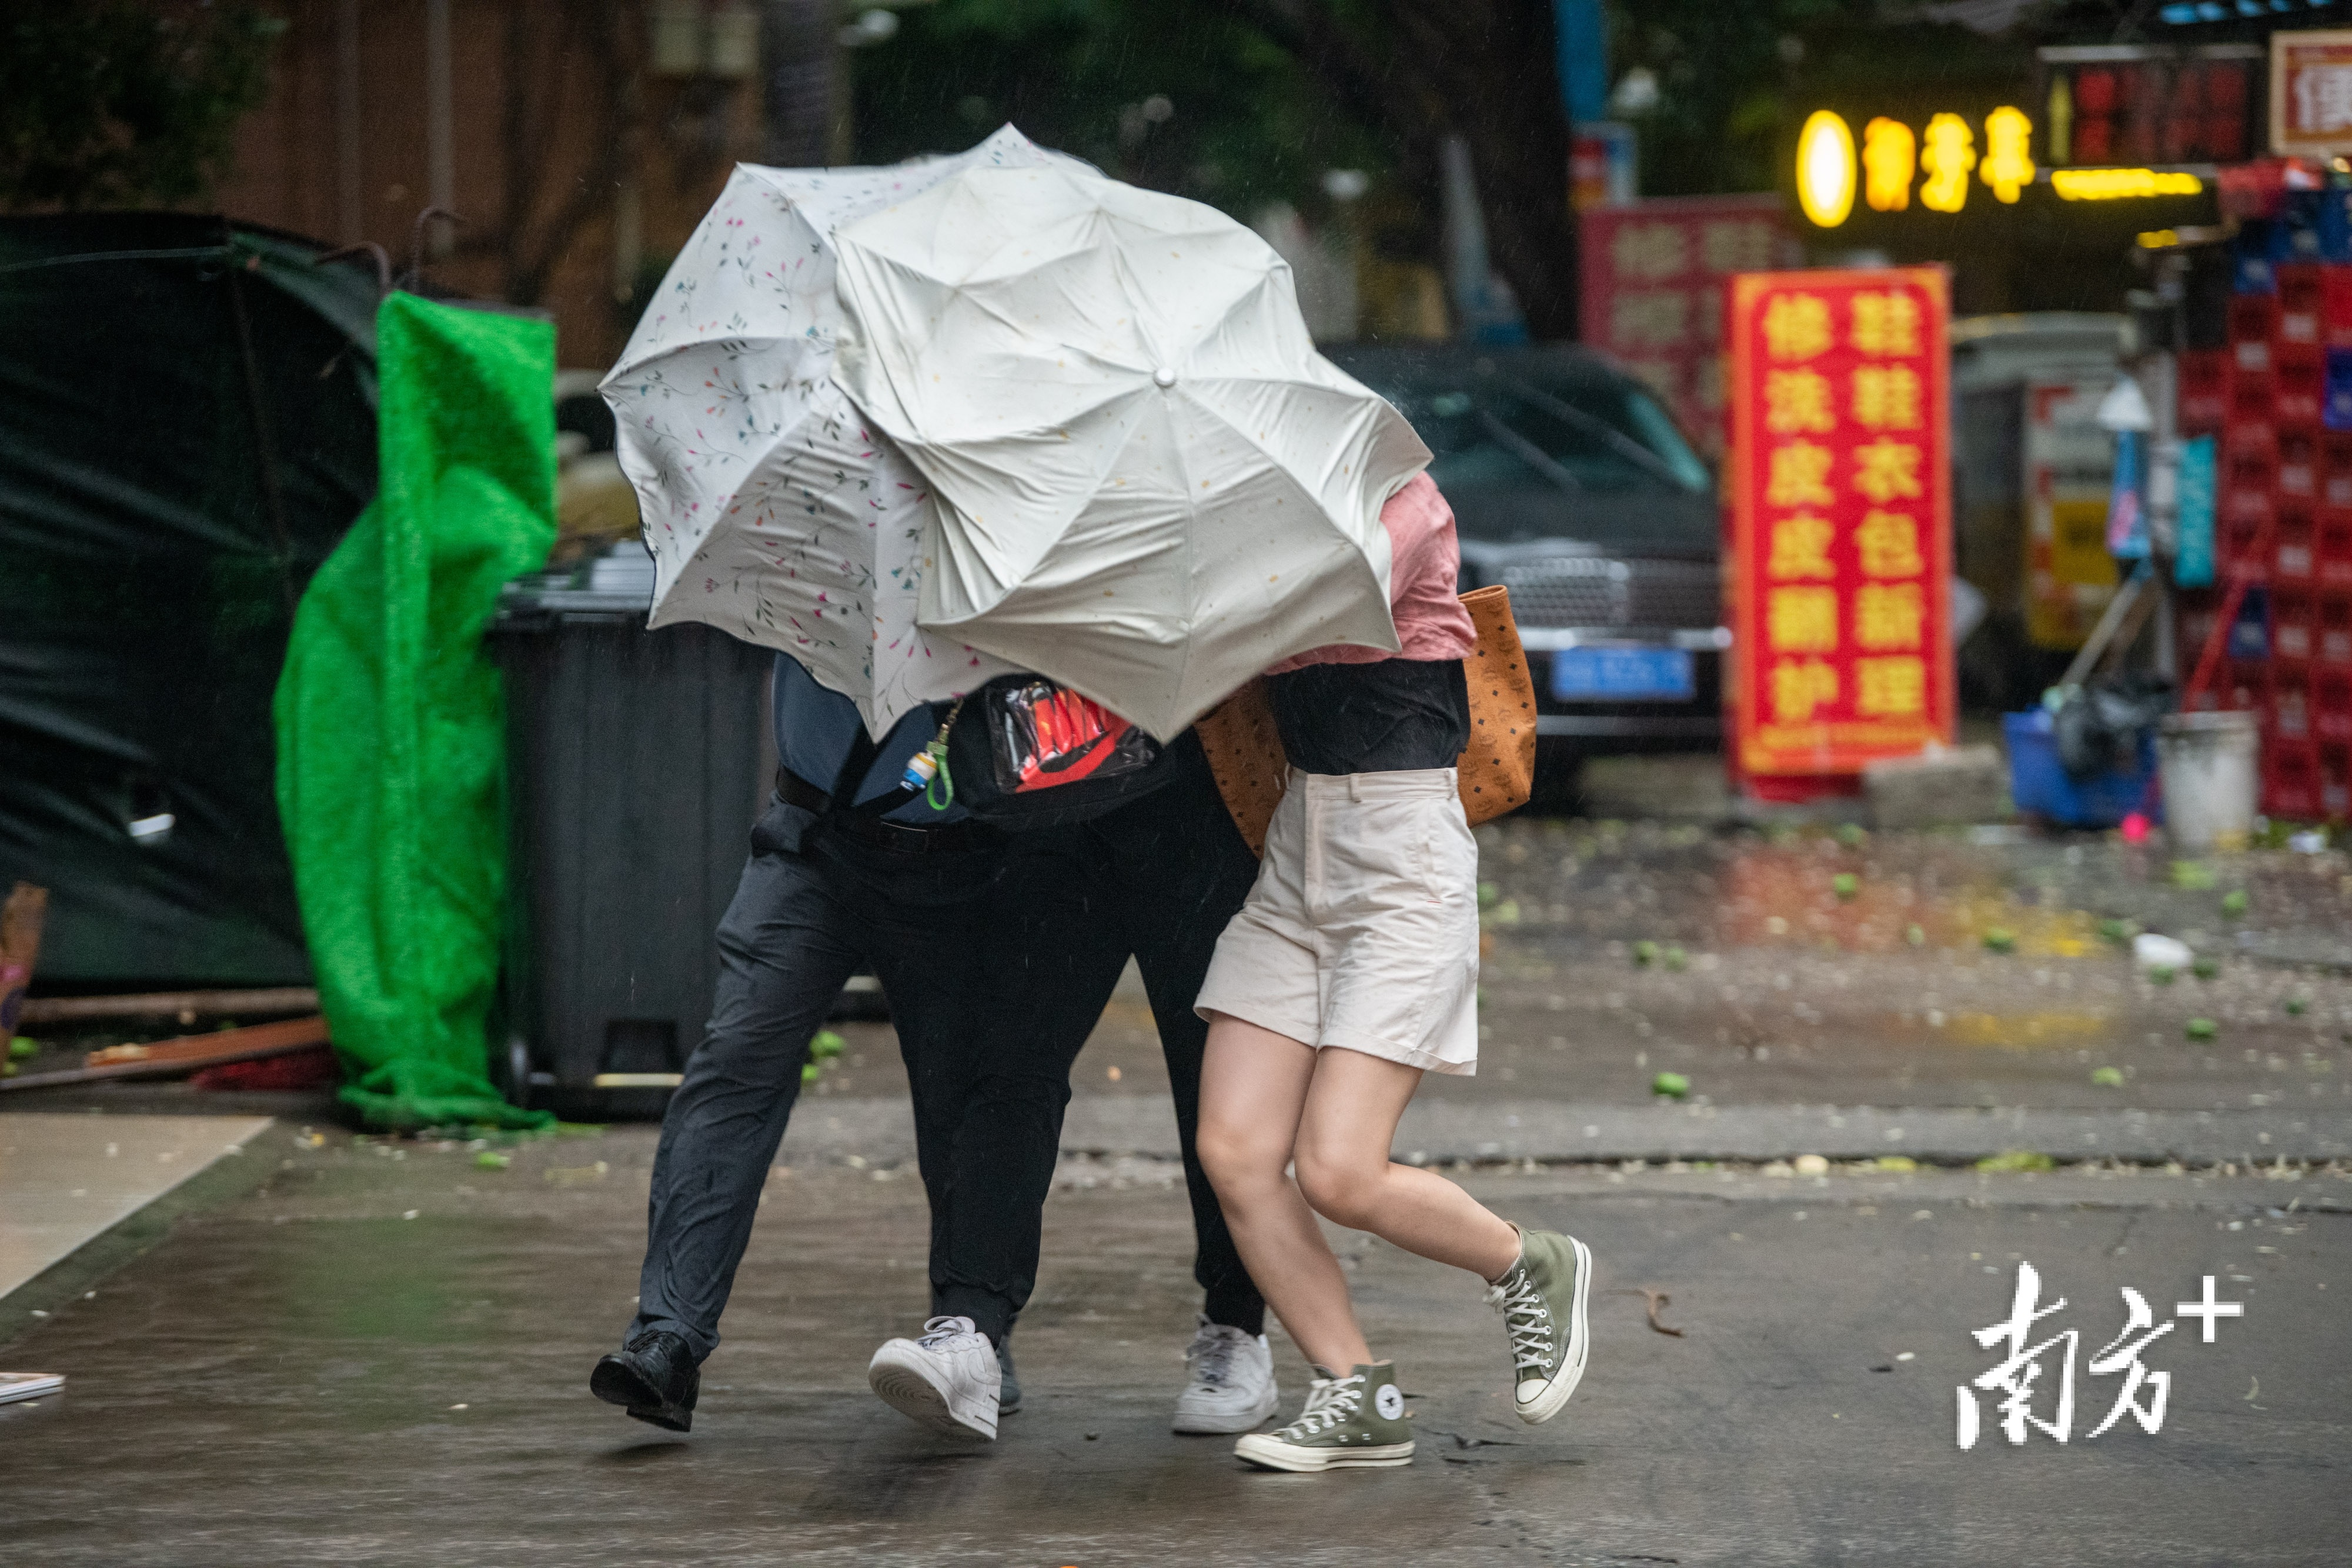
[440, 118]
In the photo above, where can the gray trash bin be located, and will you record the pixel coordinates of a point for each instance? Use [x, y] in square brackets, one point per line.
[637, 761]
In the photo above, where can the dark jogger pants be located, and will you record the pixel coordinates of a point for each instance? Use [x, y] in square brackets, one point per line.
[1157, 880]
[800, 924]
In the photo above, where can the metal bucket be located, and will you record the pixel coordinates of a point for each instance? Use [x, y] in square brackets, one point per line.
[2208, 762]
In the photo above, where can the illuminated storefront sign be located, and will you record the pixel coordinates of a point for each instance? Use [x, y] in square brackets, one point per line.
[1951, 153]
[2130, 104]
[2110, 184]
[2008, 164]
[1894, 157]
[1825, 169]
[1841, 507]
[1890, 162]
[1944, 161]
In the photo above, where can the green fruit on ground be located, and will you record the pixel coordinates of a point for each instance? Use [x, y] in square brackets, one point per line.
[2234, 903]
[1645, 953]
[1845, 884]
[20, 1047]
[1673, 1085]
[2107, 1077]
[2205, 968]
[2202, 1028]
[2001, 939]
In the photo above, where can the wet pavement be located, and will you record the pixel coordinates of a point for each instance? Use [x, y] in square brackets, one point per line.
[377, 1354]
[1775, 982]
[344, 1350]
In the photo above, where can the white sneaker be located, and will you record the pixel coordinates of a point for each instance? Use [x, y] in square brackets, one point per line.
[948, 1380]
[1232, 1385]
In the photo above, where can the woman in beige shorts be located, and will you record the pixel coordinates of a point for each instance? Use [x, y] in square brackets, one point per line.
[1351, 970]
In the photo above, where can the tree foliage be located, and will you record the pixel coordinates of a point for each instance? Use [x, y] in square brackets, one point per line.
[1238, 102]
[1733, 80]
[117, 103]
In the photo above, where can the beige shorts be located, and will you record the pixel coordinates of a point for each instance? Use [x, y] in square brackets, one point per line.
[1362, 929]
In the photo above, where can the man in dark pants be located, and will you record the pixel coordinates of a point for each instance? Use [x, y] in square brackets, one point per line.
[885, 880]
[1156, 879]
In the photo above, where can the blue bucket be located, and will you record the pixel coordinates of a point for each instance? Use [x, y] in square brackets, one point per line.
[2038, 783]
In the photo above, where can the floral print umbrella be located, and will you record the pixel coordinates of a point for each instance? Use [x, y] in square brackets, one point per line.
[772, 508]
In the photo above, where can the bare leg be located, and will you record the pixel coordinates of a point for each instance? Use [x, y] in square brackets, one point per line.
[1342, 1151]
[1253, 1085]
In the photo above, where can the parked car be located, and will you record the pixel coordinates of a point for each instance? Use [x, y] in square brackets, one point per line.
[1571, 486]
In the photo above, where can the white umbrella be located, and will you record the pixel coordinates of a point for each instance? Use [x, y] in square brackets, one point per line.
[1151, 486]
[771, 508]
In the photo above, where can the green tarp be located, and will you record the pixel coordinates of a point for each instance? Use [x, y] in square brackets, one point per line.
[390, 722]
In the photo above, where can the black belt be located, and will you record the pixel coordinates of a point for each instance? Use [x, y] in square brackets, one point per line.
[865, 828]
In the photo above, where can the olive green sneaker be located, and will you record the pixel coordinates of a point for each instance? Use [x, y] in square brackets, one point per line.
[1542, 1303]
[1359, 1420]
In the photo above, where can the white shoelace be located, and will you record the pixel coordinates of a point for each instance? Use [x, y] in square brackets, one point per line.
[1526, 1318]
[1329, 1403]
[943, 1334]
[1211, 1355]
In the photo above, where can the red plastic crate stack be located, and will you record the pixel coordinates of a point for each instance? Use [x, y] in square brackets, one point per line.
[2283, 525]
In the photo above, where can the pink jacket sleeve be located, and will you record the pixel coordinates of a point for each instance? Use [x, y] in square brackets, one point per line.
[1424, 569]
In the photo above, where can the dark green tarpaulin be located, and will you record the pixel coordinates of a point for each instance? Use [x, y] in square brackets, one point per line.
[390, 722]
[187, 427]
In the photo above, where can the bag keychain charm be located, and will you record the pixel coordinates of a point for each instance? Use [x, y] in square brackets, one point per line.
[926, 770]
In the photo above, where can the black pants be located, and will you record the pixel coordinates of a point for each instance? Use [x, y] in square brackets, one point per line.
[811, 907]
[1157, 880]
[997, 965]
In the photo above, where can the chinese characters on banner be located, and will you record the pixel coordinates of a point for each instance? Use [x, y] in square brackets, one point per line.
[1840, 476]
[1652, 292]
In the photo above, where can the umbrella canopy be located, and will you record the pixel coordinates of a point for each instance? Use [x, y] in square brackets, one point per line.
[1151, 486]
[772, 510]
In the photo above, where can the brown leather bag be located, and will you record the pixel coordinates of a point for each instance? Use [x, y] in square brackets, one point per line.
[1498, 768]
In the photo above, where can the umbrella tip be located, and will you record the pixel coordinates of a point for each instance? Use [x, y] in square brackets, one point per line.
[1164, 377]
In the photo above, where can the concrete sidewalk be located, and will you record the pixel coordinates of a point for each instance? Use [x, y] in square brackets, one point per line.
[67, 1179]
[307, 1374]
[1442, 1131]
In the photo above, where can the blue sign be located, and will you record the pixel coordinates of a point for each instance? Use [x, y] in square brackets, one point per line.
[2192, 558]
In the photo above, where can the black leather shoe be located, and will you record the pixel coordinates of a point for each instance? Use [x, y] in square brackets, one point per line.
[652, 1378]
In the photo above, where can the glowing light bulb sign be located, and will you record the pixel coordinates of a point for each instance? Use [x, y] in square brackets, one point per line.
[1825, 169]
[1941, 163]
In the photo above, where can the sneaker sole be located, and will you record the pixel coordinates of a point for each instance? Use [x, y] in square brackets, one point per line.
[1267, 1453]
[1554, 1398]
[906, 1390]
[1208, 1424]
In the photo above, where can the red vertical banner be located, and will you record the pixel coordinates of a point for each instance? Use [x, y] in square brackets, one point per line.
[1840, 469]
[1653, 278]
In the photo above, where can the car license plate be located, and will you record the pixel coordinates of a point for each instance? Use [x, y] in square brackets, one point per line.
[1623, 675]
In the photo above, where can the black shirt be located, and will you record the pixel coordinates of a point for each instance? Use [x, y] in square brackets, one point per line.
[1394, 716]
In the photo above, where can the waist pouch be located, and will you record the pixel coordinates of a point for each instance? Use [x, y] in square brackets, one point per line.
[1027, 752]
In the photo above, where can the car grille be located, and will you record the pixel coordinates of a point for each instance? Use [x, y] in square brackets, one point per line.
[1594, 590]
